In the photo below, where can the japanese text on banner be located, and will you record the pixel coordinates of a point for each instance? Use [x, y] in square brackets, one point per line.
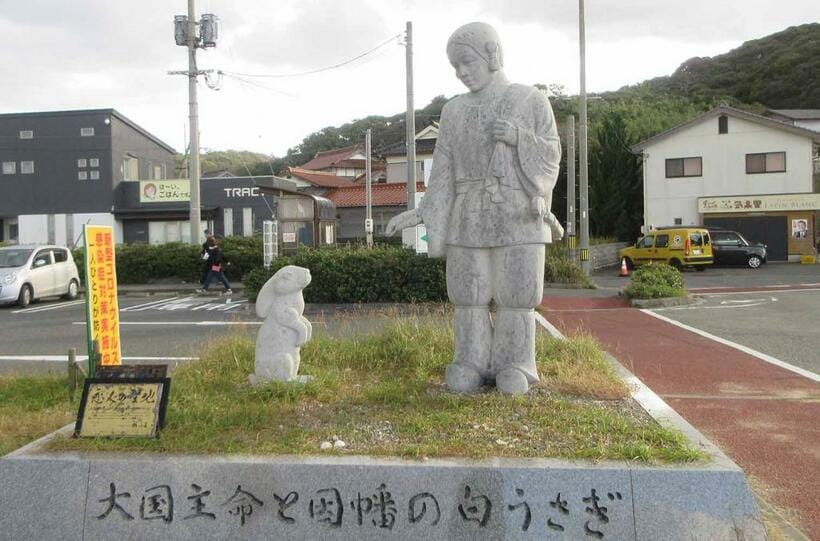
[101, 288]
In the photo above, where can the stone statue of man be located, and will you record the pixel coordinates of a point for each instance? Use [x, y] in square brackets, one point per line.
[487, 210]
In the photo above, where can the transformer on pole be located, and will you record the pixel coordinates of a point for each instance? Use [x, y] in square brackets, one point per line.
[185, 35]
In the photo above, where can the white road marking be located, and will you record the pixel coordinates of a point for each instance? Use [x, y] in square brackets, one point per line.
[702, 291]
[47, 307]
[64, 358]
[147, 305]
[192, 323]
[749, 351]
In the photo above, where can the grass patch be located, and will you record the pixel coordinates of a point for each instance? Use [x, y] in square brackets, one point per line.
[31, 407]
[383, 394]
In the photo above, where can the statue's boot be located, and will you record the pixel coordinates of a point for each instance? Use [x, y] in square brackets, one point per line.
[471, 363]
[513, 350]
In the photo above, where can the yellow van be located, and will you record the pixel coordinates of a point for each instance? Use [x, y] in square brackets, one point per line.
[677, 246]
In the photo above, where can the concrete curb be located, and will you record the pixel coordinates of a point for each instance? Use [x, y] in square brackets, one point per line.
[666, 302]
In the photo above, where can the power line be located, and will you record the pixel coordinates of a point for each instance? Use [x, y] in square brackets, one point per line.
[257, 85]
[318, 70]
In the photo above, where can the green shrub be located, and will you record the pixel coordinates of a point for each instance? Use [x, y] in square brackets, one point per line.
[655, 281]
[558, 269]
[146, 263]
[352, 275]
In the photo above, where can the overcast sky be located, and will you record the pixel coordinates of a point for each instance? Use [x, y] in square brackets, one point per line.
[83, 54]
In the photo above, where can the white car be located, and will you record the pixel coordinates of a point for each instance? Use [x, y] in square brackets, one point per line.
[34, 272]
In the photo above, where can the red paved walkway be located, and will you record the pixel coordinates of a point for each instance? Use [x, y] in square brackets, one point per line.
[766, 418]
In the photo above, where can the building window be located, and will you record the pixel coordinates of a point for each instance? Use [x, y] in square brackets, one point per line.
[82, 175]
[159, 172]
[86, 132]
[684, 167]
[26, 134]
[678, 221]
[247, 222]
[723, 124]
[94, 162]
[130, 168]
[9, 168]
[27, 168]
[95, 175]
[227, 222]
[81, 162]
[766, 162]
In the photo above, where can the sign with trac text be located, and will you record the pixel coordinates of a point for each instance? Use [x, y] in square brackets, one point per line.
[102, 311]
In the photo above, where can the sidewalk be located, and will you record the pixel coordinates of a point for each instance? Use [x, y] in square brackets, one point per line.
[764, 417]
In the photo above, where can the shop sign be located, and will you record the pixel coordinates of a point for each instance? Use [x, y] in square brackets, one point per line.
[242, 192]
[760, 203]
[165, 191]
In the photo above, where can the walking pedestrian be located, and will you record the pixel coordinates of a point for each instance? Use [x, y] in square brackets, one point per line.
[217, 263]
[204, 255]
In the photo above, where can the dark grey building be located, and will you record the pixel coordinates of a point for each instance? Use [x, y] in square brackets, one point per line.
[61, 170]
[156, 212]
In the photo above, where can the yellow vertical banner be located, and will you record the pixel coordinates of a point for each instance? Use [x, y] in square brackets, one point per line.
[103, 314]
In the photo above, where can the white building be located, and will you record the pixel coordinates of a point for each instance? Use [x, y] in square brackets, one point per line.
[735, 169]
[802, 118]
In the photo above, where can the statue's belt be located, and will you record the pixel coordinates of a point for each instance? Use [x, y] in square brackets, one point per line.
[464, 185]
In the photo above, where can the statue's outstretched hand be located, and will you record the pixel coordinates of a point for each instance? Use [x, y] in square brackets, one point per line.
[408, 218]
[539, 206]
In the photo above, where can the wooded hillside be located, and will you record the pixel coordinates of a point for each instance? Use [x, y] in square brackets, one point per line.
[780, 71]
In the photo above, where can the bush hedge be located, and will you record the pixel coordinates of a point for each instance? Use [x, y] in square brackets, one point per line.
[146, 263]
[385, 274]
[655, 281]
[341, 274]
[353, 275]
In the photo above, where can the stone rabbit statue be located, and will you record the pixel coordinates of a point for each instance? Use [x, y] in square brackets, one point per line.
[285, 329]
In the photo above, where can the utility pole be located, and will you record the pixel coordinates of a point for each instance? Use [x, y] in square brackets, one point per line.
[571, 238]
[193, 114]
[583, 182]
[410, 120]
[185, 33]
[368, 220]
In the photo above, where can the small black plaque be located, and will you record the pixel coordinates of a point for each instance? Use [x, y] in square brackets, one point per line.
[122, 407]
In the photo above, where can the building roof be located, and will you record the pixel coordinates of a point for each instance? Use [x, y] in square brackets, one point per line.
[423, 146]
[219, 173]
[322, 179]
[797, 114]
[728, 111]
[112, 112]
[393, 194]
[328, 158]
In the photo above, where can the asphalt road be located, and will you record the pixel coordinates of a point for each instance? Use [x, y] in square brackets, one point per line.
[782, 323]
[153, 329]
